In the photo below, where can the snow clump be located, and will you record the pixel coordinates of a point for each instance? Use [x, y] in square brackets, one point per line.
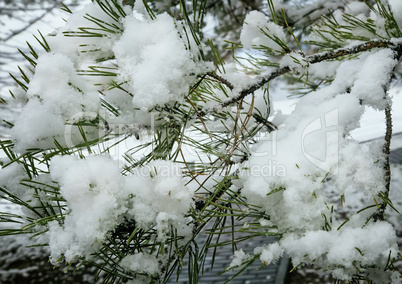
[152, 58]
[289, 172]
[255, 25]
[99, 198]
[161, 197]
[155, 61]
[140, 263]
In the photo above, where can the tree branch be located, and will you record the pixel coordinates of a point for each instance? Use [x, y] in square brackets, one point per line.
[312, 59]
[316, 58]
[221, 79]
[379, 215]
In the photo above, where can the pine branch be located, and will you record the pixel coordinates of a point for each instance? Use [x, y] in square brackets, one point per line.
[229, 144]
[379, 214]
[221, 79]
[312, 59]
[316, 58]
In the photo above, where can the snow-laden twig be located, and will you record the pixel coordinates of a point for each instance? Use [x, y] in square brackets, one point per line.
[312, 59]
[379, 215]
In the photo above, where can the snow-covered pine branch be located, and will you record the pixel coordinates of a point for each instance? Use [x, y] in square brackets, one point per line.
[136, 134]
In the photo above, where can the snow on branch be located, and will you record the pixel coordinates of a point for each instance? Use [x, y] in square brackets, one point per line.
[311, 59]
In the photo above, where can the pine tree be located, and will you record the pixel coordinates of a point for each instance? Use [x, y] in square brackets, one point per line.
[138, 133]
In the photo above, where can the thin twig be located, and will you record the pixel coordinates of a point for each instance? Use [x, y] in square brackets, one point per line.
[256, 86]
[379, 215]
